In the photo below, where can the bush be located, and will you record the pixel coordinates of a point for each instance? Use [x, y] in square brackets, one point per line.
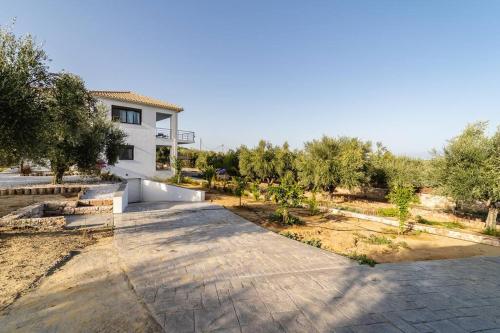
[491, 232]
[378, 240]
[312, 205]
[278, 216]
[402, 196]
[209, 175]
[362, 259]
[287, 194]
[388, 212]
[255, 190]
[316, 242]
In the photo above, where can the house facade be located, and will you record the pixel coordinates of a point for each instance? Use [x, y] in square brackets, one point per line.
[150, 125]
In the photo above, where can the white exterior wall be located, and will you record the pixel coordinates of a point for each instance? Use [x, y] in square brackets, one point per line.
[155, 191]
[143, 138]
[120, 199]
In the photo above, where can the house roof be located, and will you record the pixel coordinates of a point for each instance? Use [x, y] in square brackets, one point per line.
[132, 97]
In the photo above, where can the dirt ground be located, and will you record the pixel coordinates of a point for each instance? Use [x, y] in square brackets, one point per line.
[26, 256]
[90, 293]
[349, 236]
[9, 203]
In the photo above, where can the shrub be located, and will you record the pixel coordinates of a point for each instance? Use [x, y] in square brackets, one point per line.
[277, 216]
[240, 185]
[255, 190]
[316, 242]
[291, 235]
[388, 212]
[362, 259]
[178, 170]
[378, 240]
[402, 196]
[491, 232]
[287, 194]
[209, 175]
[312, 205]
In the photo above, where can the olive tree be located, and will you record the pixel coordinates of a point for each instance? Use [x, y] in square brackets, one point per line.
[468, 169]
[78, 133]
[258, 163]
[332, 162]
[23, 76]
[388, 170]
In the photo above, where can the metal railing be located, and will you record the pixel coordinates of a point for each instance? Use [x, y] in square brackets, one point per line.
[182, 136]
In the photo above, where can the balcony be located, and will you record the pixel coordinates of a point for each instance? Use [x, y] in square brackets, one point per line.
[182, 136]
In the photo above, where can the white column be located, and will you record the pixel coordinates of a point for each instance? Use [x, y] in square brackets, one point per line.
[173, 128]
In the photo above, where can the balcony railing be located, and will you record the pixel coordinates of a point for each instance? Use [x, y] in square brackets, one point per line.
[182, 136]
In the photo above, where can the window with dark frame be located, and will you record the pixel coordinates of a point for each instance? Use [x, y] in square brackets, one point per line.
[126, 115]
[126, 153]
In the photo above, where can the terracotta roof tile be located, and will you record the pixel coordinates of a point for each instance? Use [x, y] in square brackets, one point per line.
[132, 97]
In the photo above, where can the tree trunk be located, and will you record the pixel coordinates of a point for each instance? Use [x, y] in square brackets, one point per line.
[58, 175]
[491, 220]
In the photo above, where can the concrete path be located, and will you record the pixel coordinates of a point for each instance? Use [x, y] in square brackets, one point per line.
[200, 268]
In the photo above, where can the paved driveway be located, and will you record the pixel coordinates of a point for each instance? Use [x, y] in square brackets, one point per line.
[200, 268]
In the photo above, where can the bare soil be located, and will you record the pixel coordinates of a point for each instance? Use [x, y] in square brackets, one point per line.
[90, 293]
[26, 256]
[10, 203]
[347, 236]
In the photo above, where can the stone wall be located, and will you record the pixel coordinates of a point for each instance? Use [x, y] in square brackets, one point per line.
[41, 189]
[35, 210]
[40, 223]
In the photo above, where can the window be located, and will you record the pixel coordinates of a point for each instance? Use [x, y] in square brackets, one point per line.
[126, 115]
[127, 153]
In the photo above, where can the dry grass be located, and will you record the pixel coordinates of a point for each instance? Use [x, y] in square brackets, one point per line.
[26, 256]
[353, 237]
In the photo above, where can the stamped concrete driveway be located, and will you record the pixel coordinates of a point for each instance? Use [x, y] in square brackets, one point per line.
[200, 268]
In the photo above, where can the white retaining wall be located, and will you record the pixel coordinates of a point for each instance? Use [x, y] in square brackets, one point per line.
[155, 191]
[120, 199]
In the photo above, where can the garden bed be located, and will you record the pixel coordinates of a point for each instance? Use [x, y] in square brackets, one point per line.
[359, 239]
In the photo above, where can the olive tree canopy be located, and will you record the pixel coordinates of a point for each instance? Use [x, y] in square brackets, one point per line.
[468, 170]
[23, 76]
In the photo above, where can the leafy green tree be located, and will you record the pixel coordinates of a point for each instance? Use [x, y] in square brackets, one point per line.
[230, 162]
[258, 163]
[240, 184]
[209, 175]
[209, 158]
[402, 196]
[177, 164]
[79, 133]
[331, 162]
[387, 170]
[23, 78]
[163, 154]
[284, 161]
[286, 194]
[189, 156]
[468, 170]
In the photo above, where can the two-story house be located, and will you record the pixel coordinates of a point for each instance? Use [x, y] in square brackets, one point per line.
[151, 125]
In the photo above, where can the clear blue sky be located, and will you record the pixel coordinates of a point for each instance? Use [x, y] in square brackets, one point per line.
[408, 73]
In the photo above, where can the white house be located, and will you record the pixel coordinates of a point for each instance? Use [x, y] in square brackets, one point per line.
[149, 123]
